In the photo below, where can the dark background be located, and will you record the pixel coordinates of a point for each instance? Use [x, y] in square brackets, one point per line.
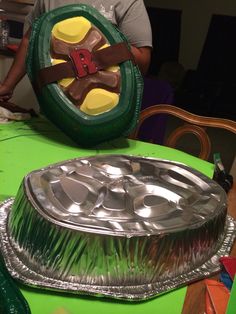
[210, 89]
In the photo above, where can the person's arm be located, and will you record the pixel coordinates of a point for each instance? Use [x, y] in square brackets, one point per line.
[134, 23]
[17, 69]
[142, 57]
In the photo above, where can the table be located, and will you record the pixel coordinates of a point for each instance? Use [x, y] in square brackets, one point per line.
[33, 144]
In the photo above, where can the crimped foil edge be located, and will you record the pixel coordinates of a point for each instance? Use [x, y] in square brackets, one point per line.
[25, 275]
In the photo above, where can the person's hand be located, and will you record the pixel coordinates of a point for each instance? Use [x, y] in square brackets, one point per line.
[5, 92]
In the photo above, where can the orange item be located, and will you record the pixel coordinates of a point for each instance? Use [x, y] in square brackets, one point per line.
[218, 297]
[208, 304]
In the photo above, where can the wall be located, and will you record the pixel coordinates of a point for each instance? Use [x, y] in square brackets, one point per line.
[23, 95]
[196, 17]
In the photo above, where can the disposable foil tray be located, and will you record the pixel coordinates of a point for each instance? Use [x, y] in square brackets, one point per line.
[115, 225]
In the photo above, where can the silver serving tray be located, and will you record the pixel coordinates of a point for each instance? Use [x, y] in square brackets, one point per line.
[137, 227]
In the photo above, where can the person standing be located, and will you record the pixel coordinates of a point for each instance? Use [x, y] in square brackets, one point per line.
[129, 16]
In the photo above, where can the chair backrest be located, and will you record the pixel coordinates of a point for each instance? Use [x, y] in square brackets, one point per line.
[193, 124]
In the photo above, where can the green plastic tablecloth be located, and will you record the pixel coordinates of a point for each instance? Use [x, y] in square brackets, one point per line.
[33, 144]
[231, 308]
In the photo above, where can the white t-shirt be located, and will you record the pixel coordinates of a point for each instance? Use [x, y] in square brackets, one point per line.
[130, 16]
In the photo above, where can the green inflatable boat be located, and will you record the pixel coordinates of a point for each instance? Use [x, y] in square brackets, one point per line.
[84, 75]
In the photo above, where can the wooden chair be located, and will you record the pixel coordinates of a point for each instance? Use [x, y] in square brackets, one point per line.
[192, 124]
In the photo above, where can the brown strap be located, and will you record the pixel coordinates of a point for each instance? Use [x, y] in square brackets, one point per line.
[103, 58]
[112, 55]
[54, 73]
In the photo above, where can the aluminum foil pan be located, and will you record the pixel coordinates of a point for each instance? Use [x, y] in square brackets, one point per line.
[115, 225]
